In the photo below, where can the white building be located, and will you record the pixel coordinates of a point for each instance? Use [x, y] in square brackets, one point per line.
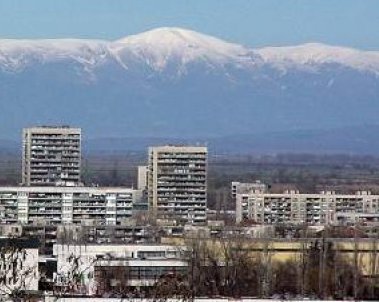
[311, 209]
[140, 265]
[56, 205]
[177, 184]
[51, 156]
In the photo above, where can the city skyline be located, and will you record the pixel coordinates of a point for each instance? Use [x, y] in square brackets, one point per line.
[189, 150]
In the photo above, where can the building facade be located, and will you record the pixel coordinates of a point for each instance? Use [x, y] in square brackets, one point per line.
[57, 205]
[51, 156]
[107, 265]
[312, 209]
[177, 184]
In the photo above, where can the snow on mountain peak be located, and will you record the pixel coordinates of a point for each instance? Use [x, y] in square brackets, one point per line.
[178, 39]
[160, 45]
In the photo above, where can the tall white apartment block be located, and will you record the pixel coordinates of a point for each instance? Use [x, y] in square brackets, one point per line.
[177, 184]
[51, 156]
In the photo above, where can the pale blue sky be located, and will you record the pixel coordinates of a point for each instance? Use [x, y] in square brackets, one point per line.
[251, 22]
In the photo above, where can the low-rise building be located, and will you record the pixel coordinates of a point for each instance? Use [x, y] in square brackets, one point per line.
[102, 267]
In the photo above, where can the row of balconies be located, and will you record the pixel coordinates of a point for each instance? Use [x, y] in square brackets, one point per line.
[50, 157]
[180, 157]
[50, 180]
[56, 141]
[53, 149]
[179, 180]
[52, 196]
[8, 202]
[182, 186]
[193, 198]
[180, 175]
[180, 170]
[89, 204]
[41, 205]
[35, 136]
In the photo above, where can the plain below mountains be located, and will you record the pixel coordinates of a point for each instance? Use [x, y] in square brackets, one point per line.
[360, 140]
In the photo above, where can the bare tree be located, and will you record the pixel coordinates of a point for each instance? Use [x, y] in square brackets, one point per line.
[16, 272]
[70, 281]
[112, 281]
[224, 266]
[172, 286]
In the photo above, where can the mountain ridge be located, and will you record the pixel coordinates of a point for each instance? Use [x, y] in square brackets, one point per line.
[164, 42]
[193, 86]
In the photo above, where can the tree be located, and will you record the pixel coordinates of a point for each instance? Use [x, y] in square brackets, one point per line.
[18, 271]
[70, 281]
[112, 281]
[223, 267]
[172, 286]
[285, 278]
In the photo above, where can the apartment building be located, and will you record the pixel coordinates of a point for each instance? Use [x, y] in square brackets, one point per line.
[57, 205]
[302, 208]
[51, 156]
[177, 184]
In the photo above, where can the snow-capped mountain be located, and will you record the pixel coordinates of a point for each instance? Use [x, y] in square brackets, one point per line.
[314, 54]
[159, 47]
[177, 82]
[15, 55]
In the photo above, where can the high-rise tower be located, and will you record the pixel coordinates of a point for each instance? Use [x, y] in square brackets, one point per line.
[51, 156]
[177, 183]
